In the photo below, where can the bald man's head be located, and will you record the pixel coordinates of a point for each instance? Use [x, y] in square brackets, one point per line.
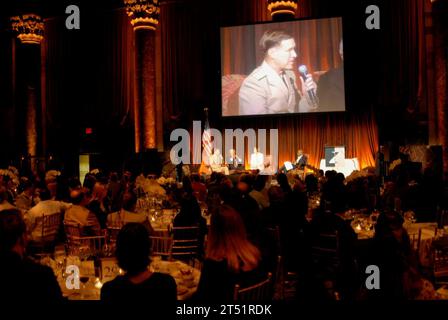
[76, 196]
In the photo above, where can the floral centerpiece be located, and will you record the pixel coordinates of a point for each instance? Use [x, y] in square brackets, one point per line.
[357, 175]
[149, 186]
[13, 175]
[166, 181]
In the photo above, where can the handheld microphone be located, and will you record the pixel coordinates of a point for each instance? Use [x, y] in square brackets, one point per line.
[303, 70]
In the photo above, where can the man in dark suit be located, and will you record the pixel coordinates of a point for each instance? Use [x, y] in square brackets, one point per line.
[301, 161]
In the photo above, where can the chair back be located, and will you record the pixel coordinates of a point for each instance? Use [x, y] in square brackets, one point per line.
[261, 291]
[73, 230]
[161, 246]
[76, 240]
[112, 233]
[186, 243]
[440, 264]
[416, 240]
[50, 226]
[325, 250]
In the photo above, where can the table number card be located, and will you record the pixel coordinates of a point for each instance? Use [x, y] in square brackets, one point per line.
[109, 269]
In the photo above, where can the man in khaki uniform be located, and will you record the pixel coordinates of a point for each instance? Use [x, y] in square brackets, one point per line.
[271, 88]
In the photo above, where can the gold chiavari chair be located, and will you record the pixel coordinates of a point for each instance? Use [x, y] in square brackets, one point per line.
[261, 291]
[440, 262]
[186, 243]
[77, 241]
[416, 239]
[50, 225]
[112, 233]
[161, 246]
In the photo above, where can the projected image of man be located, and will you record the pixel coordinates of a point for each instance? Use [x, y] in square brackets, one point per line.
[271, 87]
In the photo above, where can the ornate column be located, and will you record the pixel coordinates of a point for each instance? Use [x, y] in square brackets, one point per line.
[440, 11]
[29, 29]
[282, 10]
[144, 16]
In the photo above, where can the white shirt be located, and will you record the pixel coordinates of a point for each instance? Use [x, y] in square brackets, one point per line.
[79, 215]
[46, 207]
[257, 161]
[265, 92]
[216, 159]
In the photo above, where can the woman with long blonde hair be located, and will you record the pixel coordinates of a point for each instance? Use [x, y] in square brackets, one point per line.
[230, 257]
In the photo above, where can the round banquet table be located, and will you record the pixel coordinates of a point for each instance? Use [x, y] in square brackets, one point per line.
[186, 283]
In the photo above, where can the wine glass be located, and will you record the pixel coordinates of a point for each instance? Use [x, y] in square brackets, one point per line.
[59, 257]
[84, 278]
[84, 252]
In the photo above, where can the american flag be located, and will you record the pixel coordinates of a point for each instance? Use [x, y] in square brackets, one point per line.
[207, 143]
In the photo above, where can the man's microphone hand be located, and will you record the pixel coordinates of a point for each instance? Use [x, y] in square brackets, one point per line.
[308, 84]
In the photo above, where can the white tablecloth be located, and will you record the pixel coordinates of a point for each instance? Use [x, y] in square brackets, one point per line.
[186, 283]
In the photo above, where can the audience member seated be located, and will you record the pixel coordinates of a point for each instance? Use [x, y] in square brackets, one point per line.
[88, 185]
[295, 229]
[334, 192]
[127, 213]
[114, 192]
[24, 201]
[190, 212]
[4, 204]
[358, 193]
[312, 184]
[10, 192]
[247, 207]
[63, 188]
[22, 279]
[199, 189]
[138, 285]
[230, 258]
[283, 182]
[259, 192]
[46, 207]
[213, 188]
[391, 251]
[97, 203]
[74, 184]
[79, 215]
[344, 273]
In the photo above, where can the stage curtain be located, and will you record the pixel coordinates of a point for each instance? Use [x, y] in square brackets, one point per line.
[90, 68]
[312, 132]
[89, 75]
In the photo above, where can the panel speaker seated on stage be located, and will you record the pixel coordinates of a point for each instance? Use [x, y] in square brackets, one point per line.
[256, 160]
[233, 161]
[216, 162]
[300, 163]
